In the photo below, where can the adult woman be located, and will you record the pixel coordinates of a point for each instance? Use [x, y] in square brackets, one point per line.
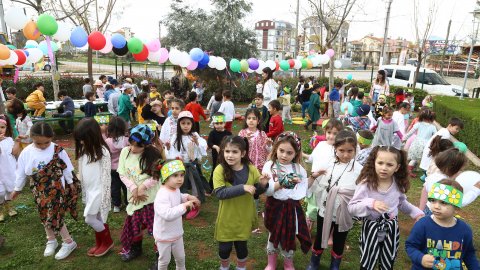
[179, 83]
[380, 86]
[270, 87]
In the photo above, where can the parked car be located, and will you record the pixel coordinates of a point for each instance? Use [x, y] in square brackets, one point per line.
[432, 82]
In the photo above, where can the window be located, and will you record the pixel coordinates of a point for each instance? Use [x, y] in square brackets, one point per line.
[402, 74]
[431, 78]
[389, 72]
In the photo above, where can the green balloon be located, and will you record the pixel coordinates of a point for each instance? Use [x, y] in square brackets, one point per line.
[284, 65]
[243, 65]
[47, 24]
[461, 147]
[304, 63]
[134, 45]
[11, 47]
[235, 65]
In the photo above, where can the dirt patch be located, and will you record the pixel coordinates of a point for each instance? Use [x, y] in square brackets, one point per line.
[203, 251]
[198, 222]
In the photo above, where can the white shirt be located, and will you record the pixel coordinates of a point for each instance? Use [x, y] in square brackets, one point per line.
[200, 150]
[169, 208]
[259, 88]
[169, 129]
[297, 193]
[8, 165]
[270, 92]
[228, 109]
[321, 156]
[32, 159]
[399, 118]
[426, 159]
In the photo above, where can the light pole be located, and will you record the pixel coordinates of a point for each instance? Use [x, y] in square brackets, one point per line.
[476, 14]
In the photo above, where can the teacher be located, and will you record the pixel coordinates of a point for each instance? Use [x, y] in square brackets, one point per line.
[270, 87]
[179, 83]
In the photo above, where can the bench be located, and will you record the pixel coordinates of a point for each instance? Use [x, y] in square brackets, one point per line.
[75, 117]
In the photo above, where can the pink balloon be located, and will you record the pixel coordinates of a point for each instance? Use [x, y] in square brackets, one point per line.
[330, 53]
[163, 55]
[153, 45]
[108, 45]
[193, 65]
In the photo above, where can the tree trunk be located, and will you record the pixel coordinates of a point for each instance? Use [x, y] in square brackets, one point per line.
[90, 64]
[55, 77]
[417, 70]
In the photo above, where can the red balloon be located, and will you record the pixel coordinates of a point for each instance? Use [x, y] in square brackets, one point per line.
[142, 56]
[291, 63]
[277, 65]
[96, 41]
[22, 57]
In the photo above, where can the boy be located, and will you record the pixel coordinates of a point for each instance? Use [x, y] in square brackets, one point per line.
[198, 88]
[228, 109]
[381, 102]
[89, 108]
[215, 139]
[441, 241]
[313, 108]
[11, 93]
[167, 96]
[36, 101]
[360, 122]
[258, 103]
[275, 127]
[169, 127]
[66, 109]
[286, 105]
[335, 99]
[154, 94]
[364, 139]
[196, 110]
[125, 104]
[87, 87]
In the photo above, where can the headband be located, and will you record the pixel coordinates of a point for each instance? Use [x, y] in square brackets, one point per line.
[167, 169]
[290, 134]
[102, 119]
[446, 194]
[218, 118]
[364, 141]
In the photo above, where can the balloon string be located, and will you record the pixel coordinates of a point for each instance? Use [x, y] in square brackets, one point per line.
[15, 77]
[49, 49]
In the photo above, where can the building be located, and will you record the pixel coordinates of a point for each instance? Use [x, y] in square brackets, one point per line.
[275, 39]
[125, 31]
[369, 49]
[314, 34]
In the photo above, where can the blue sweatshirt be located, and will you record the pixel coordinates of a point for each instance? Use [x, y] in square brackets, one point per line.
[449, 246]
[334, 95]
[68, 104]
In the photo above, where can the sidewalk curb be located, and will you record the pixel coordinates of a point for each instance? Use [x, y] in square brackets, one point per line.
[470, 155]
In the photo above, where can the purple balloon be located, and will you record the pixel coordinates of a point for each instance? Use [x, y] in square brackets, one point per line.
[253, 63]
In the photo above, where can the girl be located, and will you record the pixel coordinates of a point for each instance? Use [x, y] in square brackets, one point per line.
[380, 86]
[437, 146]
[258, 142]
[425, 129]
[270, 87]
[191, 148]
[170, 205]
[428, 101]
[235, 183]
[7, 170]
[94, 165]
[169, 127]
[380, 193]
[116, 141]
[386, 129]
[398, 117]
[55, 187]
[134, 168]
[142, 100]
[333, 188]
[24, 124]
[284, 216]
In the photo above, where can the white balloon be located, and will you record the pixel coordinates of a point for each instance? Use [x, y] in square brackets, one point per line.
[31, 44]
[337, 64]
[467, 180]
[325, 59]
[261, 66]
[108, 45]
[154, 56]
[299, 57]
[298, 64]
[15, 18]
[212, 63]
[271, 64]
[185, 62]
[3, 62]
[34, 55]
[221, 63]
[64, 31]
[250, 71]
[175, 56]
[12, 60]
[316, 60]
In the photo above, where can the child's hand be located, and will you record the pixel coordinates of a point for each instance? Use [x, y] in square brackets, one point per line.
[296, 180]
[196, 202]
[250, 189]
[73, 188]
[477, 185]
[188, 204]
[380, 206]
[167, 144]
[427, 261]
[264, 179]
[103, 128]
[269, 142]
[318, 173]
[15, 194]
[208, 119]
[195, 139]
[217, 148]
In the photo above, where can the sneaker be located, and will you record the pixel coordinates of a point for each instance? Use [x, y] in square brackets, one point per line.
[50, 248]
[116, 209]
[66, 249]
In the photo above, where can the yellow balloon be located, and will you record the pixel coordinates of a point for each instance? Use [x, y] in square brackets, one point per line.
[4, 52]
[309, 64]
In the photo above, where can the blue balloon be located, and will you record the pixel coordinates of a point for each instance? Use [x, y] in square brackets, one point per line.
[26, 53]
[196, 54]
[118, 41]
[79, 37]
[201, 66]
[205, 59]
[347, 105]
[349, 77]
[43, 47]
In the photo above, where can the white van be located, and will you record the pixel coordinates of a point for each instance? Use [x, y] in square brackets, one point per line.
[432, 82]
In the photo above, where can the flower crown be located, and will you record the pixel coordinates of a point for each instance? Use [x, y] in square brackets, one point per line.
[446, 194]
[290, 134]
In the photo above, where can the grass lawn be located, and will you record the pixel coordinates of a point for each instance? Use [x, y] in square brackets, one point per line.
[25, 237]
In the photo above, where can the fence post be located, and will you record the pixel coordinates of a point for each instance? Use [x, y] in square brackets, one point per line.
[122, 69]
[371, 75]
[163, 72]
[116, 68]
[130, 64]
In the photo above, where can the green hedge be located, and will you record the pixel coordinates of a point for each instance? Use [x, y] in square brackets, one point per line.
[468, 110]
[24, 86]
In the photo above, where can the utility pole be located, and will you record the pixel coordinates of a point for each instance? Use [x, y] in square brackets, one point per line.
[385, 34]
[297, 41]
[445, 47]
[159, 30]
[474, 37]
[2, 19]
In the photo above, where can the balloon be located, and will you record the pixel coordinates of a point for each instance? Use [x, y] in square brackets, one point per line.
[135, 45]
[461, 147]
[26, 53]
[185, 59]
[304, 63]
[34, 55]
[96, 41]
[291, 62]
[154, 45]
[325, 59]
[467, 180]
[15, 18]
[271, 64]
[330, 53]
[277, 65]
[78, 37]
[30, 30]
[175, 56]
[205, 60]
[298, 64]
[31, 44]
[337, 64]
[348, 106]
[234, 65]
[22, 57]
[11, 47]
[243, 65]
[63, 33]
[221, 63]
[284, 65]
[349, 77]
[154, 56]
[118, 41]
[108, 44]
[121, 51]
[43, 47]
[196, 54]
[163, 55]
[47, 24]
[252, 64]
[12, 60]
[142, 56]
[309, 64]
[213, 61]
[193, 65]
[261, 66]
[4, 52]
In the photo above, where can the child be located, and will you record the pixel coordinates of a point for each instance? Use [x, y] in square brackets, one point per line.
[99, 89]
[364, 138]
[399, 95]
[398, 117]
[215, 139]
[214, 104]
[442, 241]
[87, 87]
[116, 141]
[190, 148]
[425, 129]
[7, 170]
[427, 101]
[258, 142]
[379, 195]
[313, 108]
[335, 99]
[258, 104]
[228, 109]
[142, 99]
[337, 183]
[134, 168]
[36, 101]
[167, 98]
[11, 93]
[153, 111]
[386, 129]
[169, 206]
[94, 165]
[355, 99]
[409, 98]
[379, 105]
[196, 110]
[361, 121]
[275, 127]
[154, 94]
[324, 151]
[284, 216]
[66, 109]
[108, 91]
[23, 124]
[90, 109]
[235, 182]
[259, 86]
[198, 89]
[437, 146]
[169, 127]
[325, 101]
[52, 173]
[125, 104]
[286, 105]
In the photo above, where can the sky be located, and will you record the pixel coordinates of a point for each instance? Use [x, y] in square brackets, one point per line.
[143, 16]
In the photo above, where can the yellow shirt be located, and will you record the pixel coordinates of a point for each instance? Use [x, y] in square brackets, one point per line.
[155, 95]
[36, 96]
[139, 113]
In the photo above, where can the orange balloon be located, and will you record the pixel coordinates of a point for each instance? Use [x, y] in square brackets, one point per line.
[309, 64]
[4, 52]
[31, 31]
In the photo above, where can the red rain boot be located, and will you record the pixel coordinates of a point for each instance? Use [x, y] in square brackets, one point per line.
[107, 242]
[98, 242]
[272, 261]
[288, 264]
[410, 171]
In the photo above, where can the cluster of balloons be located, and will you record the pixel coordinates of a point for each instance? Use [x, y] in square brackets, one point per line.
[196, 59]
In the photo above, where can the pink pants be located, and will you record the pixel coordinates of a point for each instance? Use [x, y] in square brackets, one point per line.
[165, 251]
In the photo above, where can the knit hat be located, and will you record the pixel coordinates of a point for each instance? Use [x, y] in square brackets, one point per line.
[169, 168]
[184, 114]
[363, 110]
[141, 134]
[102, 119]
[446, 194]
[218, 118]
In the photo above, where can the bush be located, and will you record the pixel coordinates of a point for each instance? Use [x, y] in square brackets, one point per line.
[468, 110]
[24, 86]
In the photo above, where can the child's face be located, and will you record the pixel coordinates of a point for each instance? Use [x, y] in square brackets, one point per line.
[258, 102]
[41, 88]
[345, 152]
[156, 109]
[381, 100]
[3, 129]
[128, 91]
[285, 153]
[186, 125]
[272, 110]
[252, 121]
[233, 155]
[135, 149]
[10, 96]
[219, 126]
[41, 142]
[92, 98]
[175, 107]
[453, 129]
[441, 210]
[404, 110]
[330, 135]
[61, 97]
[153, 89]
[386, 165]
[168, 96]
[175, 181]
[365, 100]
[387, 116]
